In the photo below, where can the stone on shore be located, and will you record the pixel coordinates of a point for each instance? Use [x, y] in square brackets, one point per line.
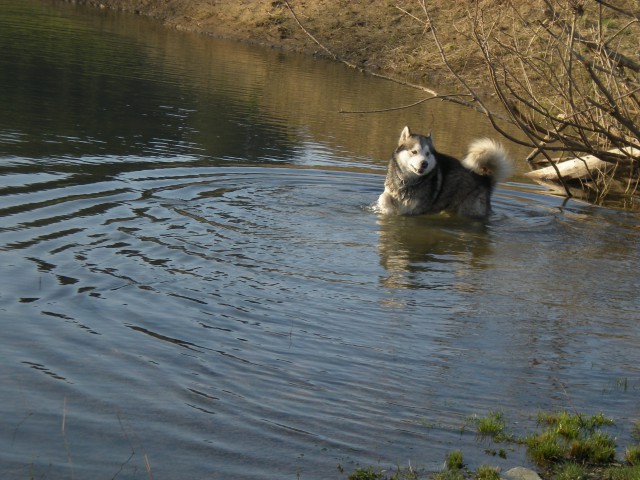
[520, 473]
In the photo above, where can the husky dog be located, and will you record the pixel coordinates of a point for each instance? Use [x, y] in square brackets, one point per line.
[422, 180]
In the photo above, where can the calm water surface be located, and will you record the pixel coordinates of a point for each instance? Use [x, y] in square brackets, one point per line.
[194, 284]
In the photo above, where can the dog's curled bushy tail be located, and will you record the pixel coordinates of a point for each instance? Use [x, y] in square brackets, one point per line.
[487, 157]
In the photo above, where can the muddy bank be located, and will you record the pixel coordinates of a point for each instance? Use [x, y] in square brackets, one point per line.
[383, 37]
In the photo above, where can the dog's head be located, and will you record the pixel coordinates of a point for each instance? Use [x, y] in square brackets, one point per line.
[415, 154]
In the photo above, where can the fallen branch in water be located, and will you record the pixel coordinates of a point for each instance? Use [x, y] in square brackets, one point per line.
[590, 173]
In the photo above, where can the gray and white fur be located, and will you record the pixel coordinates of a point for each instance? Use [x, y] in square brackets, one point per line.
[423, 180]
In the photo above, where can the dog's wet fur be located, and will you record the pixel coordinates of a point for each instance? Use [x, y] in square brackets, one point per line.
[422, 180]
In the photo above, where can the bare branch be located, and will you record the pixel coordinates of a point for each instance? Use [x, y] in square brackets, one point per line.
[329, 52]
[619, 10]
[391, 109]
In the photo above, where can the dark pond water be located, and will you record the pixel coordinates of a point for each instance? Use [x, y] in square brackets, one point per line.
[194, 284]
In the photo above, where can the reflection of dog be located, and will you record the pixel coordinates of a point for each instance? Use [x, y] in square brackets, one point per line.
[410, 248]
[422, 180]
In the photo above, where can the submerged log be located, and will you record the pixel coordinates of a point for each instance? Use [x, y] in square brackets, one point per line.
[586, 168]
[591, 173]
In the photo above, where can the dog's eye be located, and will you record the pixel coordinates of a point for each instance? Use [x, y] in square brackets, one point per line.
[414, 152]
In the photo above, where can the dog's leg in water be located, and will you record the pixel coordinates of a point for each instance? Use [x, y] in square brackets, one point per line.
[385, 203]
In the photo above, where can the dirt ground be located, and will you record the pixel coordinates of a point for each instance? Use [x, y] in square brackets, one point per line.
[382, 36]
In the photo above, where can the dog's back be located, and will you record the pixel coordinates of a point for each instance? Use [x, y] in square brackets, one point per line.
[463, 191]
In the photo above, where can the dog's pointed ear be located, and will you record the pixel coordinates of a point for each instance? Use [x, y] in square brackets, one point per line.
[406, 133]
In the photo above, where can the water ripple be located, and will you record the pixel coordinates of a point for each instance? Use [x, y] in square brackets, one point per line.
[274, 301]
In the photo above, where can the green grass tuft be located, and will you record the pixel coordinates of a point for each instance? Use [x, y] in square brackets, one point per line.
[572, 426]
[597, 448]
[486, 472]
[453, 467]
[632, 455]
[492, 426]
[621, 473]
[575, 438]
[570, 471]
[366, 474]
[370, 473]
[545, 448]
[449, 475]
[454, 461]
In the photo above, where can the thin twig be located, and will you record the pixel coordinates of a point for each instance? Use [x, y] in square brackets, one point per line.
[133, 452]
[295, 17]
[64, 437]
[391, 109]
[147, 465]
[627, 13]
[64, 413]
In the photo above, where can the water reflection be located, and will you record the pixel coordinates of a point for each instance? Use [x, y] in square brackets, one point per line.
[76, 103]
[411, 247]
